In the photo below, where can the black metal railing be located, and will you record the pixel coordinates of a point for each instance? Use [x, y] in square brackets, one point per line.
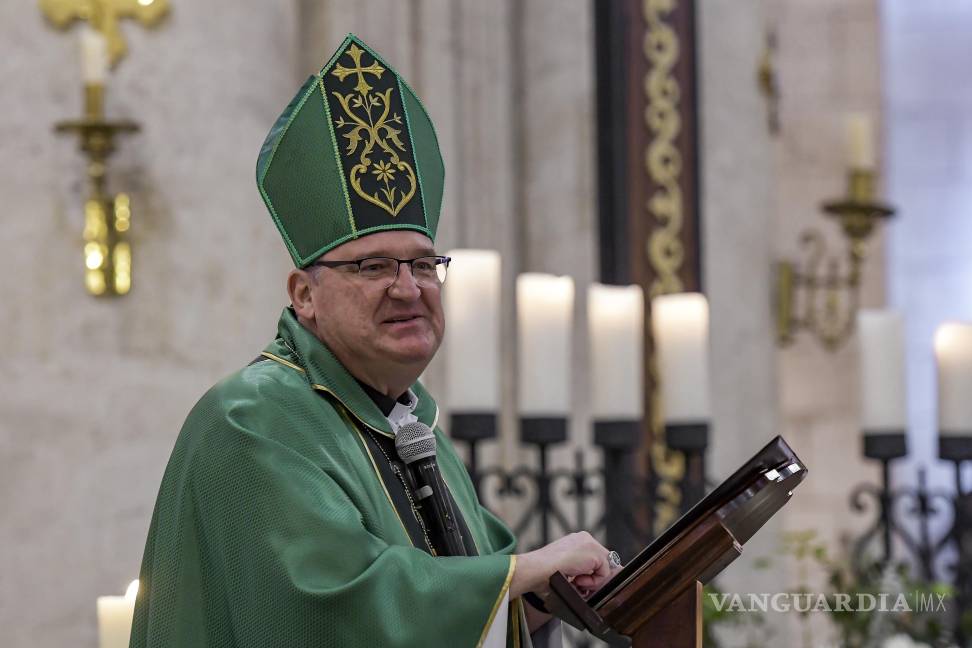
[906, 520]
[609, 499]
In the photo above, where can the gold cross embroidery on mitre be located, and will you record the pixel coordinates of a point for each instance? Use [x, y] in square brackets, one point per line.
[341, 72]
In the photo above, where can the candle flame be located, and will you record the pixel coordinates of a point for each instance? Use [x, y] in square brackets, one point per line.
[132, 590]
[953, 340]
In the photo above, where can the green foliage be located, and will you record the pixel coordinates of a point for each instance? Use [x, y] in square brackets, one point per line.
[820, 572]
[750, 625]
[857, 628]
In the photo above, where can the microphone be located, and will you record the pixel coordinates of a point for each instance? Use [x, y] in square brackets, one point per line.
[415, 444]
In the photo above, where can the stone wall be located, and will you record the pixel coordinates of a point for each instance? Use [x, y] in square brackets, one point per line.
[95, 391]
[829, 65]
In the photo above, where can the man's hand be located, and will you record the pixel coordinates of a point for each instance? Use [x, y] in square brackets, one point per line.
[577, 556]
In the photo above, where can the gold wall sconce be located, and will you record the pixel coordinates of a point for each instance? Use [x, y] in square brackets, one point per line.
[815, 296]
[820, 299]
[107, 250]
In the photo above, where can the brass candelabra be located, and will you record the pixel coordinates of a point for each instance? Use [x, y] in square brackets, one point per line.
[822, 300]
[107, 218]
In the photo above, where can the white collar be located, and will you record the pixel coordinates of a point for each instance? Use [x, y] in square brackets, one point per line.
[403, 413]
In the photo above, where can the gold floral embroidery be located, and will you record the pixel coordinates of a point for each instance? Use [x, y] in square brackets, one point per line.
[366, 120]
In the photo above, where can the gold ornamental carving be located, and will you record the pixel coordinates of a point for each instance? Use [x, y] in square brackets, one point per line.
[663, 164]
[369, 123]
[104, 16]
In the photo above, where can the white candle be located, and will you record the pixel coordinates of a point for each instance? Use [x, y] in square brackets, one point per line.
[94, 55]
[953, 350]
[472, 308]
[680, 326]
[545, 305]
[861, 152]
[115, 618]
[882, 375]
[616, 318]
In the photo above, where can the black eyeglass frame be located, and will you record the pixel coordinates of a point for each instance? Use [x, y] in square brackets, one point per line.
[439, 260]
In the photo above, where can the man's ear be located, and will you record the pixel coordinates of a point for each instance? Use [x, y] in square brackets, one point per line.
[299, 289]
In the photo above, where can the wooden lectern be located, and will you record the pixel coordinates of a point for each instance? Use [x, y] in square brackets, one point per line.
[656, 600]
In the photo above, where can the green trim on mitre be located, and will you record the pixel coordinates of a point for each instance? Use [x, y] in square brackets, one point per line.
[357, 156]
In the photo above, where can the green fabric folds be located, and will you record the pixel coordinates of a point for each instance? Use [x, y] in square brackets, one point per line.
[272, 527]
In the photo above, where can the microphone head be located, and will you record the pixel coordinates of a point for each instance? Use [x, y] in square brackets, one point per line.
[415, 441]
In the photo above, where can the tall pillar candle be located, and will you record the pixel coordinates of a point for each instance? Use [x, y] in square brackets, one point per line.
[953, 351]
[680, 326]
[882, 375]
[545, 305]
[94, 56]
[616, 319]
[472, 308]
[861, 152]
[115, 618]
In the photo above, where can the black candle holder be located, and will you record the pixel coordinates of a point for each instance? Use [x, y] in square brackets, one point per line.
[884, 445]
[954, 446]
[543, 430]
[619, 440]
[923, 505]
[473, 428]
[691, 439]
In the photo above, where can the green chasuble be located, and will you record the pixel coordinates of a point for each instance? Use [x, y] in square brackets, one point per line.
[273, 527]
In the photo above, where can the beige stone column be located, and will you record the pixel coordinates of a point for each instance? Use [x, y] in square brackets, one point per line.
[737, 179]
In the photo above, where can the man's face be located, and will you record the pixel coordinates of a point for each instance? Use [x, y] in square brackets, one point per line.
[365, 322]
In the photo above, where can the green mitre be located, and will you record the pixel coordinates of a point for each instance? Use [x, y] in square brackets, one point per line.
[353, 153]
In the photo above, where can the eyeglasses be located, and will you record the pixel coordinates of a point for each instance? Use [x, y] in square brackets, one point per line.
[428, 271]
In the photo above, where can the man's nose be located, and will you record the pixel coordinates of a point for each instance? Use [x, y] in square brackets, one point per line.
[404, 285]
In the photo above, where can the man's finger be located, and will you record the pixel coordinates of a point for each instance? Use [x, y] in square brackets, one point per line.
[603, 569]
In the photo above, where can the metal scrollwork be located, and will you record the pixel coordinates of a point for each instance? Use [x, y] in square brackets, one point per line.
[947, 559]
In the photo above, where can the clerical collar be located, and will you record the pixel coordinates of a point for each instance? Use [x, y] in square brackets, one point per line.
[386, 403]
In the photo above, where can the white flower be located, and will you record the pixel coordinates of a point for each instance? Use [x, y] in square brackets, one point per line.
[900, 641]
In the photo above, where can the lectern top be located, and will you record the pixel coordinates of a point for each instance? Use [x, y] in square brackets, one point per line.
[745, 501]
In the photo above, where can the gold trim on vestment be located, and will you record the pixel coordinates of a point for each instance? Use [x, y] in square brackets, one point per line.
[499, 599]
[351, 410]
[346, 413]
[383, 487]
[516, 605]
[286, 363]
[324, 389]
